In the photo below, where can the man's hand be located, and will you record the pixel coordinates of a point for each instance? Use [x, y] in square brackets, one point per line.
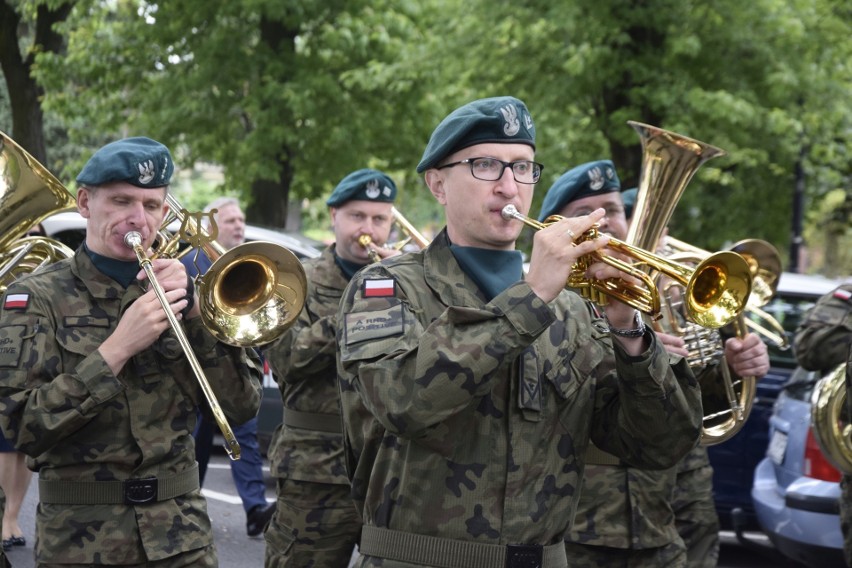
[555, 252]
[674, 344]
[747, 356]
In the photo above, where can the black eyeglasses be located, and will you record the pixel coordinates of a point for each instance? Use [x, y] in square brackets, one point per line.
[491, 169]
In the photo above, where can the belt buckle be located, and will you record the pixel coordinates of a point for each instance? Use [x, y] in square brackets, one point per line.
[524, 556]
[140, 491]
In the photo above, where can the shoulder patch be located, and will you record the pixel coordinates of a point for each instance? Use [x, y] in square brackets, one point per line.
[379, 287]
[842, 294]
[366, 326]
[16, 302]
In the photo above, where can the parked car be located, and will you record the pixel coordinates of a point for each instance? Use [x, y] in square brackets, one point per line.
[796, 489]
[70, 228]
[735, 460]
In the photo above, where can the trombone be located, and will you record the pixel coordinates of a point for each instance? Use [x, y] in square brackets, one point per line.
[133, 240]
[716, 290]
[251, 294]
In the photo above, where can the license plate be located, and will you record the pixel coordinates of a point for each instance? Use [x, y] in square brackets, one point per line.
[777, 447]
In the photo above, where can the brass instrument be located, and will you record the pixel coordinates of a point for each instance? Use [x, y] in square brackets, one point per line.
[830, 419]
[412, 235]
[716, 290]
[366, 241]
[133, 240]
[669, 161]
[28, 195]
[251, 294]
[765, 264]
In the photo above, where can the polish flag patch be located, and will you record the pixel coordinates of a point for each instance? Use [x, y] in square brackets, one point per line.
[842, 294]
[16, 301]
[379, 288]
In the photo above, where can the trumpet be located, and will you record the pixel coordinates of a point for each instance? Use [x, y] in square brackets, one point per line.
[412, 235]
[133, 240]
[366, 241]
[716, 290]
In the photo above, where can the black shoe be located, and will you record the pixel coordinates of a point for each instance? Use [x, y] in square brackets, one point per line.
[257, 519]
[7, 544]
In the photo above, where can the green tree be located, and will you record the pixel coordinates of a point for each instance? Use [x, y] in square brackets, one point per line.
[288, 97]
[27, 29]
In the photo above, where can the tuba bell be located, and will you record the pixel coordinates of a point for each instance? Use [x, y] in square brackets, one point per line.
[669, 161]
[830, 419]
[29, 193]
[251, 294]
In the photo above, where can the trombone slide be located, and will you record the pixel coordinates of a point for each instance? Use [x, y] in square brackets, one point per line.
[134, 240]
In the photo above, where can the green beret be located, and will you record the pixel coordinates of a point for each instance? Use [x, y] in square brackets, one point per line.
[628, 196]
[499, 119]
[363, 185]
[138, 161]
[592, 178]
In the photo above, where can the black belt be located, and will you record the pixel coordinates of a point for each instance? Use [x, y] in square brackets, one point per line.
[451, 553]
[313, 421]
[140, 491]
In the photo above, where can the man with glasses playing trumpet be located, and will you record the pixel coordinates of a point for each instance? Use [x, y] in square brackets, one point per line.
[630, 516]
[316, 523]
[97, 391]
[470, 391]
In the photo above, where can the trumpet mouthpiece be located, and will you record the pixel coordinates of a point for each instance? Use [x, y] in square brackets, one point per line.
[509, 212]
[132, 238]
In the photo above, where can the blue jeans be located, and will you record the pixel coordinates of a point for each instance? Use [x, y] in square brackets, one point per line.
[246, 471]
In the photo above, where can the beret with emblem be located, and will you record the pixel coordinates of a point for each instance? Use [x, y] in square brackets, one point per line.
[503, 120]
[363, 185]
[138, 161]
[591, 178]
[628, 196]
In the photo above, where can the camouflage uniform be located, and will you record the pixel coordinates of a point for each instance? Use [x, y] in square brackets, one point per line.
[315, 523]
[637, 517]
[469, 420]
[85, 428]
[823, 341]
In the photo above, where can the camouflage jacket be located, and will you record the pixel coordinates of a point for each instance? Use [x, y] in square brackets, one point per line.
[469, 420]
[822, 340]
[630, 508]
[77, 421]
[304, 362]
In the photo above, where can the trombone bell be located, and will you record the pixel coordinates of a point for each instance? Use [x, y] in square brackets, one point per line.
[252, 293]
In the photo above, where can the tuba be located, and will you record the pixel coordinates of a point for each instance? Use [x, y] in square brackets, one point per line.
[669, 161]
[830, 419]
[251, 294]
[28, 195]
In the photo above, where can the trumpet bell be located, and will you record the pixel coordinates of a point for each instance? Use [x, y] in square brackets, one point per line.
[765, 264]
[252, 294]
[718, 290]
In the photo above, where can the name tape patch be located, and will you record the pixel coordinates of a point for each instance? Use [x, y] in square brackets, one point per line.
[366, 326]
[379, 288]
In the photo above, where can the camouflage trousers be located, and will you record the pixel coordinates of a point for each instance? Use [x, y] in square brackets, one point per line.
[201, 558]
[315, 526]
[696, 518]
[672, 555]
[846, 517]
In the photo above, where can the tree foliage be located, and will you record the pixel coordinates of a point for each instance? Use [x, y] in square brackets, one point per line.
[290, 96]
